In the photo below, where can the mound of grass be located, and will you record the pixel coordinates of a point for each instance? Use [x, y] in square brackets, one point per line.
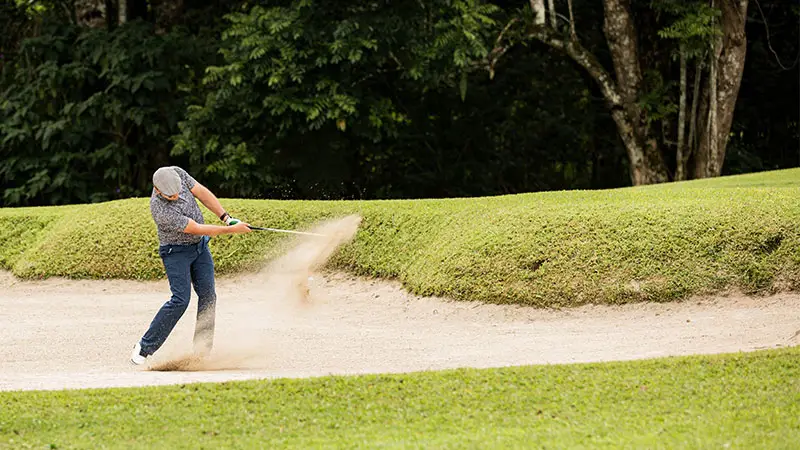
[18, 233]
[747, 400]
[654, 243]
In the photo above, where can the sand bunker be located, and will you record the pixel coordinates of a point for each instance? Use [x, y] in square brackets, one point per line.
[69, 334]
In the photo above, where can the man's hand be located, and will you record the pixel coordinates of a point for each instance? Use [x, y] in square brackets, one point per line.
[240, 227]
[231, 221]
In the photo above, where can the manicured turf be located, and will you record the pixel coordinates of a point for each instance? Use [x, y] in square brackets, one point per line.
[557, 248]
[739, 401]
[656, 243]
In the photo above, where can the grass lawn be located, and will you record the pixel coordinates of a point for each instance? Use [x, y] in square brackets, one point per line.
[546, 249]
[737, 401]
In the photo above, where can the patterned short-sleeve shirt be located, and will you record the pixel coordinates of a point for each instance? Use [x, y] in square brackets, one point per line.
[172, 216]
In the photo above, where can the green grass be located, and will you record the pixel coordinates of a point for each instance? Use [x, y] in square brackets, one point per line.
[736, 401]
[548, 249]
[654, 243]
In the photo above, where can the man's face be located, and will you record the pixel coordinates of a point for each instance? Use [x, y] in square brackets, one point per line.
[168, 197]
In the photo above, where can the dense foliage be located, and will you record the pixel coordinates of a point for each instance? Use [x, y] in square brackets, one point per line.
[298, 99]
[87, 117]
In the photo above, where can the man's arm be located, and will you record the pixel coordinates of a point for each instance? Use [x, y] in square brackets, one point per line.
[214, 230]
[208, 199]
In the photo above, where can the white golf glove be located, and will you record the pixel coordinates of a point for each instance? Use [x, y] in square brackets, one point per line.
[230, 220]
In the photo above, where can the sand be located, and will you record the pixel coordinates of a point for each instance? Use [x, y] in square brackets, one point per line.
[68, 334]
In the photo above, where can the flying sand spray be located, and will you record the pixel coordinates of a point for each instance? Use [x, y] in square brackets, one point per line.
[284, 282]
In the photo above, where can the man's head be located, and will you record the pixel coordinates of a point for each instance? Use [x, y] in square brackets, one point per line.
[167, 182]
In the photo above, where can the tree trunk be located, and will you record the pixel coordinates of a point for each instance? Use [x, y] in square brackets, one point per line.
[620, 34]
[727, 66]
[91, 13]
[692, 142]
[641, 169]
[167, 13]
[122, 11]
[711, 131]
[116, 13]
[680, 158]
[537, 6]
[551, 5]
[644, 155]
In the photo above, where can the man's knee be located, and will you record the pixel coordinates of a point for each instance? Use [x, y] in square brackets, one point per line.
[208, 297]
[206, 293]
[179, 302]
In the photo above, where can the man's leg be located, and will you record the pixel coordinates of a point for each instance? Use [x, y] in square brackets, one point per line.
[177, 265]
[203, 280]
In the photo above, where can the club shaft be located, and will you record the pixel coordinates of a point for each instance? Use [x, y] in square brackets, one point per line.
[285, 231]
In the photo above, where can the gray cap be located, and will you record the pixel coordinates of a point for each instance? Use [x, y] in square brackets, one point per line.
[167, 180]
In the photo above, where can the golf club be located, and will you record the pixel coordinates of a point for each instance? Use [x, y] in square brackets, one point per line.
[285, 231]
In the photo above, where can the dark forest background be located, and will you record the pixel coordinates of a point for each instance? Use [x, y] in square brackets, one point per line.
[379, 99]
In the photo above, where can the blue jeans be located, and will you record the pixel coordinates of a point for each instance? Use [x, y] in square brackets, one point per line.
[186, 265]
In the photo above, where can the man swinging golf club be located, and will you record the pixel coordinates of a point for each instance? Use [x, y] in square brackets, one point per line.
[183, 246]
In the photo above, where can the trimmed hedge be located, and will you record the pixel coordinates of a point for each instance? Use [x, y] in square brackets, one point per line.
[656, 243]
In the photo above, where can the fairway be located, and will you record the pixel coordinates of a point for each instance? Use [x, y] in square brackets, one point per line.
[645, 290]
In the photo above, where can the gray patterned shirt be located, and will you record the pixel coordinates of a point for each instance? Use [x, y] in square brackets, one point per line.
[172, 216]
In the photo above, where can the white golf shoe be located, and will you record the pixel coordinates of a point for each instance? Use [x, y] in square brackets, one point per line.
[136, 355]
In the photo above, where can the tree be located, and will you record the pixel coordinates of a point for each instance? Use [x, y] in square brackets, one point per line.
[112, 13]
[639, 106]
[764, 135]
[306, 85]
[386, 99]
[87, 110]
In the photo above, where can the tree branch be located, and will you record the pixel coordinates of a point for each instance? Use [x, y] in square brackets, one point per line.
[584, 58]
[572, 33]
[572, 48]
[769, 42]
[608, 87]
[499, 50]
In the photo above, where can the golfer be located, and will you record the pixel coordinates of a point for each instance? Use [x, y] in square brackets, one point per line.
[183, 247]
